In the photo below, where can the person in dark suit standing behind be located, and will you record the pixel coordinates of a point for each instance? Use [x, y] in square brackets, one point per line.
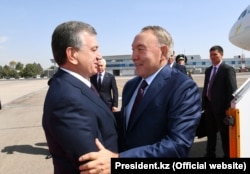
[73, 114]
[173, 64]
[163, 124]
[219, 85]
[105, 83]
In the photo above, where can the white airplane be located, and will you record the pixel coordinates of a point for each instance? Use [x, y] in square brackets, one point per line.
[238, 113]
[239, 34]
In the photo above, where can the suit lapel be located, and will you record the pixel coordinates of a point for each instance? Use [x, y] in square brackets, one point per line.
[217, 73]
[96, 99]
[130, 90]
[86, 91]
[153, 90]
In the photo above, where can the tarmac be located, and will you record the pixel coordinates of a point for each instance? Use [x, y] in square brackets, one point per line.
[22, 141]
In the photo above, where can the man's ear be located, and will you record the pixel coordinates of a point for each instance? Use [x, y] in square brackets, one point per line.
[164, 51]
[72, 55]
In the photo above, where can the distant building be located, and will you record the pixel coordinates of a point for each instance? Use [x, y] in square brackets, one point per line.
[122, 65]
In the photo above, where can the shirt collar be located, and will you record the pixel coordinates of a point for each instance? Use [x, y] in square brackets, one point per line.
[78, 76]
[150, 78]
[218, 65]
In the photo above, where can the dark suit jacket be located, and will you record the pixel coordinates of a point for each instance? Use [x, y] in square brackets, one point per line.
[166, 119]
[221, 93]
[108, 91]
[222, 89]
[73, 117]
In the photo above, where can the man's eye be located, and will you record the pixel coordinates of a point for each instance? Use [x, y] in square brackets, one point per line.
[141, 48]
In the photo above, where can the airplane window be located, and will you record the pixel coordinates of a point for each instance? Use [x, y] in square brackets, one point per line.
[243, 14]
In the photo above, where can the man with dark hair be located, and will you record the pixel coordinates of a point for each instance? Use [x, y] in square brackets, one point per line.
[219, 85]
[73, 114]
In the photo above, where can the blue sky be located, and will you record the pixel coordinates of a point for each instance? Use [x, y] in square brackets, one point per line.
[195, 25]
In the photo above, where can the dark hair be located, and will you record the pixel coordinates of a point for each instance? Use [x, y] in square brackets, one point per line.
[67, 35]
[216, 47]
[179, 56]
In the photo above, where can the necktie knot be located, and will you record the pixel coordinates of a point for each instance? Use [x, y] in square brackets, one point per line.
[215, 68]
[144, 84]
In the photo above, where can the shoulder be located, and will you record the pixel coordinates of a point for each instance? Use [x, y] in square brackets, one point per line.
[227, 67]
[208, 69]
[107, 74]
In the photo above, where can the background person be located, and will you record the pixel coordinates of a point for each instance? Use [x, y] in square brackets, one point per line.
[216, 99]
[181, 59]
[105, 83]
[73, 114]
[165, 121]
[173, 64]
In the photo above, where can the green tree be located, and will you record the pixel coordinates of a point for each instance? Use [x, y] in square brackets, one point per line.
[29, 71]
[19, 66]
[13, 74]
[6, 71]
[39, 69]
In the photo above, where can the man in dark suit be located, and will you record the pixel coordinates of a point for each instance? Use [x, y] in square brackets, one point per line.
[73, 114]
[219, 85]
[105, 83]
[166, 118]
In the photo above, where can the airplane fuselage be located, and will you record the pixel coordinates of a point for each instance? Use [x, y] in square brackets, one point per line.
[239, 34]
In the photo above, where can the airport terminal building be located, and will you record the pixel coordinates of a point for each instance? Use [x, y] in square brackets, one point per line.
[122, 65]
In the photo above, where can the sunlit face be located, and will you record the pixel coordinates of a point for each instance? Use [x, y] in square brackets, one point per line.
[101, 66]
[88, 55]
[146, 54]
[215, 57]
[171, 59]
[181, 62]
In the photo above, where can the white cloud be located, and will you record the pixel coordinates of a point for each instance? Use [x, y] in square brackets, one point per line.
[3, 39]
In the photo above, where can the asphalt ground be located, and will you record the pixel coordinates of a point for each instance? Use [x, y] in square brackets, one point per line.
[22, 142]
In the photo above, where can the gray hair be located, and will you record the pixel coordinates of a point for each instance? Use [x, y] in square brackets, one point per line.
[67, 35]
[163, 36]
[104, 61]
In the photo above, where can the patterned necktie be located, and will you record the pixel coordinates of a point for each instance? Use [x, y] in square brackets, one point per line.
[211, 81]
[138, 98]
